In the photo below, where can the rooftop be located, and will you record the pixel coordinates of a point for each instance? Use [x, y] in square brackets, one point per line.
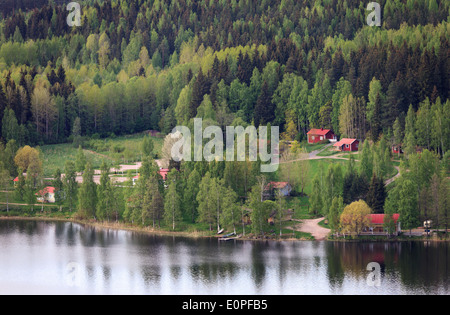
[344, 141]
[319, 132]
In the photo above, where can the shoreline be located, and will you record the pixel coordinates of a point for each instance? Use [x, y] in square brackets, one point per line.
[145, 230]
[205, 234]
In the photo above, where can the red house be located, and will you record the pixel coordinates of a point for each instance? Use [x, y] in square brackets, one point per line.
[162, 171]
[317, 135]
[397, 149]
[346, 144]
[377, 223]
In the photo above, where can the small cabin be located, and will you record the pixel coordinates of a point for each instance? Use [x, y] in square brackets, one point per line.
[347, 145]
[318, 135]
[271, 189]
[46, 195]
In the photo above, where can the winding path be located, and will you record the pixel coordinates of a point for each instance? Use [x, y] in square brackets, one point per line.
[312, 226]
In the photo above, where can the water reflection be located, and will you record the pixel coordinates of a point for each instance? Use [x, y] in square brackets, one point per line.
[34, 257]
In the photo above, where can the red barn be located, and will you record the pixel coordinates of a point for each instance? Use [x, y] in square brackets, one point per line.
[347, 145]
[317, 135]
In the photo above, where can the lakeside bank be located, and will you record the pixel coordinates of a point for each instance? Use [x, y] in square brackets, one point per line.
[151, 231]
[209, 234]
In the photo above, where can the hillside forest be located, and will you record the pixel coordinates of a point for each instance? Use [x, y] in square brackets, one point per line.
[139, 65]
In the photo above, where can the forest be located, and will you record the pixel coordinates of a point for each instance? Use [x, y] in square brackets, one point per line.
[139, 65]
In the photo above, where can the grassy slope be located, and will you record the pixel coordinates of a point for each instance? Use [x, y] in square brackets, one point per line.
[56, 155]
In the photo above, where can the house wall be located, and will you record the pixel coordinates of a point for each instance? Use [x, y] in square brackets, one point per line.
[318, 138]
[351, 147]
[51, 198]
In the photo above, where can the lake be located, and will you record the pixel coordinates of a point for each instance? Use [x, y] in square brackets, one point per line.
[39, 257]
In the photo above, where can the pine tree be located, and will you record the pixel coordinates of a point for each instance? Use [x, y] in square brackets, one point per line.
[264, 109]
[190, 195]
[366, 165]
[198, 92]
[376, 194]
[231, 214]
[157, 204]
[29, 195]
[409, 141]
[10, 126]
[206, 209]
[58, 184]
[87, 194]
[3, 102]
[70, 185]
[80, 160]
[5, 181]
[398, 135]
[376, 119]
[104, 194]
[407, 204]
[147, 146]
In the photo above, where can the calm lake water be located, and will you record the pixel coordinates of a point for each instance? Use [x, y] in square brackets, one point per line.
[67, 258]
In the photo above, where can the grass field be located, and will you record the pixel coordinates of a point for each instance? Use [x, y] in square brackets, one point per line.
[56, 155]
[121, 150]
[328, 152]
[312, 147]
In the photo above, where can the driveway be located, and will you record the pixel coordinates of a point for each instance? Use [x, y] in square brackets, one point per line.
[312, 226]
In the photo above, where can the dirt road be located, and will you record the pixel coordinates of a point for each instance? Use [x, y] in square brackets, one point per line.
[312, 226]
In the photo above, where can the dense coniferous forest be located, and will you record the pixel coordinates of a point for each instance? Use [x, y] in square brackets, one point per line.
[139, 65]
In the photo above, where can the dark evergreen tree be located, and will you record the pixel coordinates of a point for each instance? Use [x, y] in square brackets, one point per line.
[264, 109]
[376, 195]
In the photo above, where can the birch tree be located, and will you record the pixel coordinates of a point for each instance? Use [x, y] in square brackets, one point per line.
[172, 209]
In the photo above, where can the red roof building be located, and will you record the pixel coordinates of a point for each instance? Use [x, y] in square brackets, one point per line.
[346, 144]
[377, 223]
[46, 195]
[163, 172]
[317, 135]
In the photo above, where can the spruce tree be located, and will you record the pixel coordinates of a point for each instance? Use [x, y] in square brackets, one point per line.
[205, 204]
[104, 194]
[87, 194]
[80, 160]
[376, 194]
[70, 185]
[316, 202]
[190, 195]
[58, 184]
[264, 109]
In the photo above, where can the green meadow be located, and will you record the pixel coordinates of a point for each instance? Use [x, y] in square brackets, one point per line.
[115, 150]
